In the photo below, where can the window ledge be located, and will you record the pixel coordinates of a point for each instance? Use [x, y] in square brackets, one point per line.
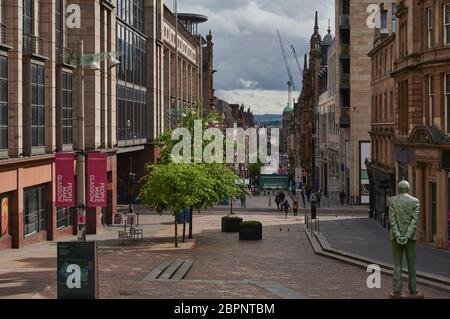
[35, 151]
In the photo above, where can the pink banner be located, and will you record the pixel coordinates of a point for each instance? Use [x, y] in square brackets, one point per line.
[97, 180]
[65, 180]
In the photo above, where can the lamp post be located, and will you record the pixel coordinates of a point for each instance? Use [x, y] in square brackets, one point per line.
[85, 62]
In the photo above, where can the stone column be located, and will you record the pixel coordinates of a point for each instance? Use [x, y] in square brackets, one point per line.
[420, 194]
[441, 238]
[18, 201]
[90, 34]
[47, 33]
[13, 13]
[112, 82]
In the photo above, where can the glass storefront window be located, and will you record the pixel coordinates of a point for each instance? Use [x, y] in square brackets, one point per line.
[35, 214]
[64, 217]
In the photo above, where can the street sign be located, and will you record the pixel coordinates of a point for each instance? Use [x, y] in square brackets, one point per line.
[77, 273]
[118, 219]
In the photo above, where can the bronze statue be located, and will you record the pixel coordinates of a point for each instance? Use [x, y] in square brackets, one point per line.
[403, 218]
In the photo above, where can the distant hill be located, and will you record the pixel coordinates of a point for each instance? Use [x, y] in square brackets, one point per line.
[268, 118]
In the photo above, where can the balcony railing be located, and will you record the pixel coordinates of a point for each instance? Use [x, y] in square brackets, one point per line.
[3, 33]
[344, 21]
[33, 44]
[64, 56]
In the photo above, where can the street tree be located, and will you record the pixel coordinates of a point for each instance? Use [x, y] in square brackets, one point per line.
[174, 187]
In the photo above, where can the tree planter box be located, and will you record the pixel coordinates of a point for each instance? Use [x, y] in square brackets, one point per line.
[250, 231]
[231, 224]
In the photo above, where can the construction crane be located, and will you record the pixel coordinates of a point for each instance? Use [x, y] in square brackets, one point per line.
[290, 83]
[294, 53]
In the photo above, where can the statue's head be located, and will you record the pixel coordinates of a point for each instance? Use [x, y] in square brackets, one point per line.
[403, 187]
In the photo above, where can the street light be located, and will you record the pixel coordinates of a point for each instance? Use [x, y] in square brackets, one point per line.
[83, 63]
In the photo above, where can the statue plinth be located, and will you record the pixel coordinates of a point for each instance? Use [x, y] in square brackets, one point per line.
[417, 295]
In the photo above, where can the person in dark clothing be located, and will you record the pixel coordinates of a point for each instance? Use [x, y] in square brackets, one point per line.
[282, 197]
[286, 207]
[277, 201]
[318, 198]
[308, 193]
[342, 197]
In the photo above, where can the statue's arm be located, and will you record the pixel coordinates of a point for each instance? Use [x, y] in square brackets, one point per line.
[413, 223]
[393, 221]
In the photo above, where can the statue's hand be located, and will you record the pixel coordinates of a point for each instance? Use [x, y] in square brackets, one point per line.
[402, 240]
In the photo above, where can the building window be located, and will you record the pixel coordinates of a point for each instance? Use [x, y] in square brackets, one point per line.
[67, 108]
[447, 23]
[403, 107]
[447, 103]
[59, 23]
[131, 12]
[63, 217]
[429, 27]
[35, 214]
[394, 17]
[37, 105]
[431, 94]
[3, 103]
[403, 39]
[28, 8]
[131, 62]
[391, 110]
[132, 114]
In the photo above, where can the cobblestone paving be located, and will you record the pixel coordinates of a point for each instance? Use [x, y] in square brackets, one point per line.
[223, 265]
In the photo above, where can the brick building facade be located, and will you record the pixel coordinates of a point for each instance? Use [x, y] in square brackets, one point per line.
[126, 106]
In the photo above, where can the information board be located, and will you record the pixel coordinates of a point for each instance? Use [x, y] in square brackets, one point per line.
[77, 272]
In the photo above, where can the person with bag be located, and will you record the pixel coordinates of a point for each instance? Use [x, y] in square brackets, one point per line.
[286, 207]
[295, 206]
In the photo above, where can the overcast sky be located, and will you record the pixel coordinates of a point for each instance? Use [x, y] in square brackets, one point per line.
[247, 54]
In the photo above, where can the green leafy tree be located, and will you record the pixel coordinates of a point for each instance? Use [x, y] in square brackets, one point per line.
[175, 187]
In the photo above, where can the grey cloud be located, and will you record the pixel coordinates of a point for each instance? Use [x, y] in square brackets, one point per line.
[246, 46]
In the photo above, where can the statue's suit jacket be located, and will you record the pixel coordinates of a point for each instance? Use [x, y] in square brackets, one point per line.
[403, 216]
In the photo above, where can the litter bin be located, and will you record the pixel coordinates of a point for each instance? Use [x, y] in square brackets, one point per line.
[181, 217]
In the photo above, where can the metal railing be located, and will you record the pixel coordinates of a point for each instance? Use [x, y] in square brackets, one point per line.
[3, 33]
[312, 225]
[33, 44]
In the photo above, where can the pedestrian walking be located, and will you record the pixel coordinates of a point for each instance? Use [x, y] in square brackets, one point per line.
[295, 206]
[302, 193]
[318, 198]
[243, 200]
[286, 207]
[277, 201]
[282, 197]
[342, 197]
[313, 206]
[308, 193]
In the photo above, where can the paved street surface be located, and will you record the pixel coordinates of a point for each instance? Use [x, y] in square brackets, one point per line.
[282, 265]
[367, 237]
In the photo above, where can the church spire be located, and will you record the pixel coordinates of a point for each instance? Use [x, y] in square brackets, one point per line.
[329, 26]
[316, 24]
